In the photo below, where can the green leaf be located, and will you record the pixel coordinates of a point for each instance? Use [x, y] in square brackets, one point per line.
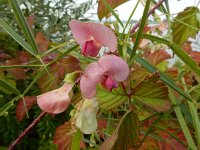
[8, 87]
[181, 120]
[185, 25]
[16, 37]
[153, 93]
[126, 134]
[76, 140]
[103, 11]
[108, 100]
[23, 24]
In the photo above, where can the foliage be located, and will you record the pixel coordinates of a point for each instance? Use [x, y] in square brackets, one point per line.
[132, 91]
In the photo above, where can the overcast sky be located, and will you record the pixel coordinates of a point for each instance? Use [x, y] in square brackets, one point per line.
[125, 10]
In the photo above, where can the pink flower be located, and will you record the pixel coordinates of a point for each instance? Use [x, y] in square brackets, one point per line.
[55, 101]
[92, 36]
[108, 70]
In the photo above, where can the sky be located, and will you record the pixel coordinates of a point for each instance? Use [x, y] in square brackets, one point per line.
[125, 10]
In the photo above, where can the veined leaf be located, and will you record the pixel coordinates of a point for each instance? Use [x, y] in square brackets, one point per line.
[126, 134]
[108, 100]
[153, 93]
[103, 10]
[63, 136]
[109, 9]
[16, 37]
[185, 25]
[23, 24]
[21, 110]
[163, 77]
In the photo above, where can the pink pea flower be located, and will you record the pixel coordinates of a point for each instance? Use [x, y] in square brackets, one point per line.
[108, 70]
[55, 101]
[92, 36]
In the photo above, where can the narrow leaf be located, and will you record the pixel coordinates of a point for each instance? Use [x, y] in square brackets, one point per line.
[23, 24]
[76, 140]
[16, 37]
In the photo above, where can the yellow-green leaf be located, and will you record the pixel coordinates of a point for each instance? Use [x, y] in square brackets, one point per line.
[153, 93]
[185, 24]
[108, 100]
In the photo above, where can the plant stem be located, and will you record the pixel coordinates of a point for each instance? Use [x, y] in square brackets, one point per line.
[149, 13]
[19, 138]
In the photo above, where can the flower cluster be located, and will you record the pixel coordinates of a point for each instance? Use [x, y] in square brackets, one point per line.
[108, 70]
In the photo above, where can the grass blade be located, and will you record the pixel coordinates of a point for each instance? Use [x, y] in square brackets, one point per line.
[16, 37]
[141, 28]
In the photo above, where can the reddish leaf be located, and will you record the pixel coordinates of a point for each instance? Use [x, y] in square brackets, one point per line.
[63, 136]
[20, 110]
[4, 56]
[126, 134]
[187, 47]
[30, 20]
[65, 65]
[102, 9]
[41, 41]
[48, 82]
[173, 73]
[171, 143]
[58, 71]
[23, 56]
[149, 144]
[195, 55]
[18, 73]
[156, 57]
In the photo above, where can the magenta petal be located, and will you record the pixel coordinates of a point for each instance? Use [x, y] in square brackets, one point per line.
[114, 66]
[84, 31]
[55, 101]
[91, 76]
[109, 83]
[91, 48]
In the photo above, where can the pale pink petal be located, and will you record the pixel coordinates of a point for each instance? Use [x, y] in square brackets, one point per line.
[114, 66]
[55, 101]
[83, 31]
[91, 76]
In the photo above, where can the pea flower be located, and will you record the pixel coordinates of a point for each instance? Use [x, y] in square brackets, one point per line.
[86, 119]
[108, 70]
[92, 36]
[58, 100]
